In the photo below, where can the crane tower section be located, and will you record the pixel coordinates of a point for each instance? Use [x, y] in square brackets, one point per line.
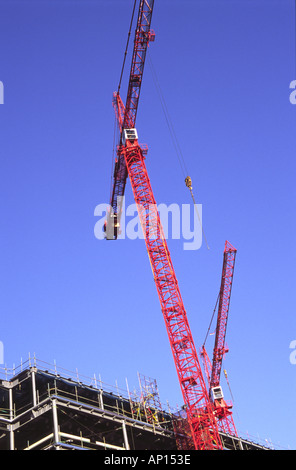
[130, 163]
[126, 114]
[198, 407]
[222, 409]
[223, 309]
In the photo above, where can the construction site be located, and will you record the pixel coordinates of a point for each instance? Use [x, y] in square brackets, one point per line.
[45, 407]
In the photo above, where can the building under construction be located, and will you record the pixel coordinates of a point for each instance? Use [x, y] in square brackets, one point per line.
[43, 407]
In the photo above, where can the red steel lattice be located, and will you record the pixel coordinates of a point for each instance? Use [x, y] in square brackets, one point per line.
[198, 407]
[224, 301]
[130, 162]
[127, 114]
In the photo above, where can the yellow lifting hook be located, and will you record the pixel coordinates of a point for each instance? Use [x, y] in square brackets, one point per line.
[188, 183]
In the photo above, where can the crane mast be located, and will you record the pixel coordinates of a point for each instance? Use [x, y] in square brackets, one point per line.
[126, 115]
[131, 163]
[198, 407]
[213, 370]
[223, 309]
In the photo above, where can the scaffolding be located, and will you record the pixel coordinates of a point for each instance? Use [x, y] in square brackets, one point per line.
[42, 409]
[150, 399]
[45, 407]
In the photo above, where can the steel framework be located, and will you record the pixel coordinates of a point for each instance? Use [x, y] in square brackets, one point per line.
[199, 410]
[46, 407]
[213, 370]
[223, 309]
[126, 115]
[150, 398]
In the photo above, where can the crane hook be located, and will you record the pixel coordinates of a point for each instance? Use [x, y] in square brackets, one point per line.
[188, 182]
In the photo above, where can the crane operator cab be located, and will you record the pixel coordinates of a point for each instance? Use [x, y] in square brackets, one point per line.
[216, 393]
[129, 135]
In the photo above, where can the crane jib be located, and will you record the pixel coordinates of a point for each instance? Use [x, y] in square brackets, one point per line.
[126, 114]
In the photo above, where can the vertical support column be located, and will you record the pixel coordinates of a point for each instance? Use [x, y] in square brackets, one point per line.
[56, 433]
[11, 437]
[11, 431]
[125, 438]
[241, 447]
[33, 371]
[101, 400]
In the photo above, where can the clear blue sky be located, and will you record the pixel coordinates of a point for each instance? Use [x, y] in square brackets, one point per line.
[224, 67]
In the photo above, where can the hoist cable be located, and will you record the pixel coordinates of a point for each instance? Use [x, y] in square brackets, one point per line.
[211, 319]
[127, 43]
[113, 156]
[188, 183]
[118, 89]
[226, 377]
[175, 141]
[167, 118]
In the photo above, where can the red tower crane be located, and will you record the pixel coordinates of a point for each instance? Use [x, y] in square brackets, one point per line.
[126, 114]
[131, 162]
[213, 370]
